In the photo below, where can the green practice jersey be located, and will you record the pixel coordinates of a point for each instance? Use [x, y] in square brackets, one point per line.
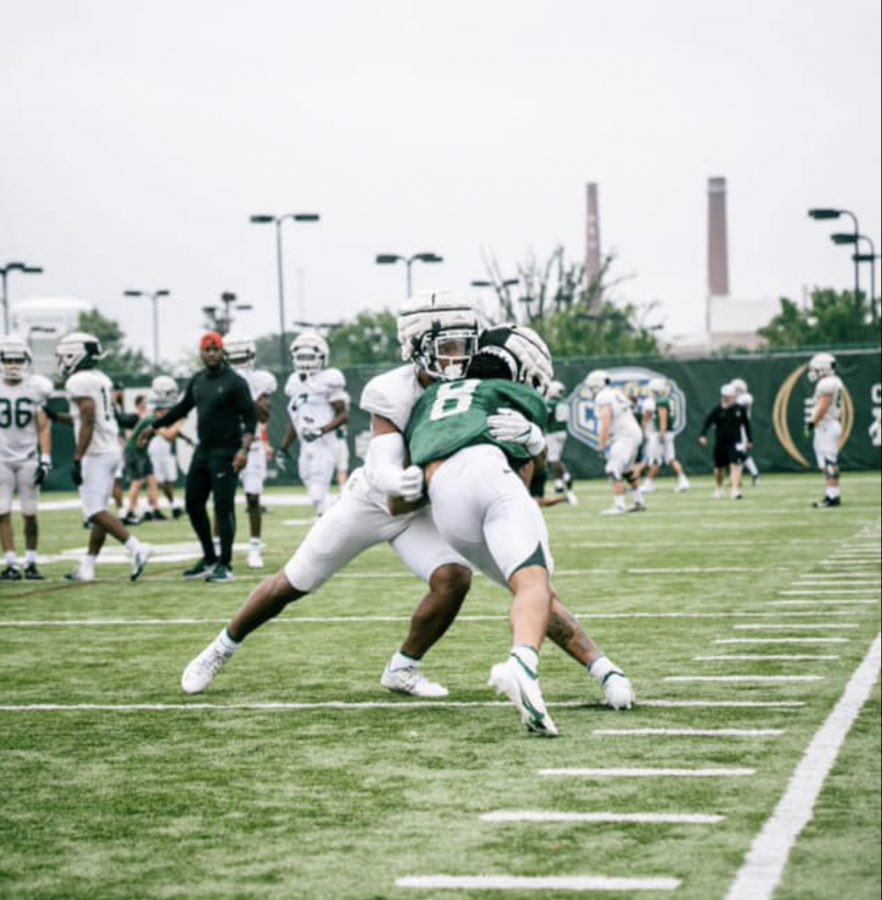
[452, 415]
[558, 416]
[665, 403]
[132, 447]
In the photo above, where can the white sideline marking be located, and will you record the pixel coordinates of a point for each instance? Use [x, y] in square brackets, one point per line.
[814, 592]
[524, 883]
[748, 657]
[744, 679]
[826, 626]
[767, 858]
[648, 773]
[821, 640]
[705, 571]
[624, 818]
[721, 704]
[688, 732]
[821, 602]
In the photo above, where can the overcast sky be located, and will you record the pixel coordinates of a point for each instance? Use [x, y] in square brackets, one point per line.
[138, 136]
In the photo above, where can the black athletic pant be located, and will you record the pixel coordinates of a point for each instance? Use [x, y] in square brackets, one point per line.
[211, 472]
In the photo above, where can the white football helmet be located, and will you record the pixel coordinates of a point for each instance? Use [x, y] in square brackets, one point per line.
[77, 350]
[165, 391]
[438, 332]
[740, 386]
[309, 353]
[518, 351]
[240, 349]
[15, 357]
[821, 365]
[659, 387]
[556, 390]
[728, 390]
[596, 381]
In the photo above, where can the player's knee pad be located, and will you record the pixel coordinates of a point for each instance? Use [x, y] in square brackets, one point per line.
[831, 469]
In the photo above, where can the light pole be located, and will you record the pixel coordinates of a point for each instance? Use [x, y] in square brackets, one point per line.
[387, 259]
[824, 213]
[154, 297]
[4, 273]
[222, 320]
[501, 292]
[848, 239]
[278, 221]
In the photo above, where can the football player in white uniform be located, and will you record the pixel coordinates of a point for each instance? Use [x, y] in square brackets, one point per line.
[384, 502]
[744, 399]
[658, 424]
[556, 438]
[25, 452]
[343, 447]
[160, 447]
[619, 439]
[241, 351]
[824, 424]
[317, 408]
[97, 451]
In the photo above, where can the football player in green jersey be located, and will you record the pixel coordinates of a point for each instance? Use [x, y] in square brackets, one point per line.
[556, 438]
[659, 424]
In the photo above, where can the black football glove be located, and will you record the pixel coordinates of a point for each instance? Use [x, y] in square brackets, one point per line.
[76, 472]
[44, 466]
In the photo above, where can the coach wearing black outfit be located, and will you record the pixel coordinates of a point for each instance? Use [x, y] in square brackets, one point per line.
[733, 440]
[226, 427]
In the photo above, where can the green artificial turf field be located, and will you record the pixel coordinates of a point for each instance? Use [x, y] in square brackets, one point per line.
[297, 776]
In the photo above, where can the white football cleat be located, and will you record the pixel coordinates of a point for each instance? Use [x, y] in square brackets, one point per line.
[201, 671]
[647, 487]
[718, 494]
[572, 499]
[614, 511]
[80, 575]
[682, 486]
[255, 560]
[412, 681]
[522, 687]
[139, 560]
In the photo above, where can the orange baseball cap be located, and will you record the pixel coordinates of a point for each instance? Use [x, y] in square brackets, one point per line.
[211, 339]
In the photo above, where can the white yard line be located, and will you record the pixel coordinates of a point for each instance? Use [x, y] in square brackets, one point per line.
[813, 640]
[781, 657]
[623, 818]
[795, 626]
[648, 773]
[767, 858]
[721, 704]
[689, 732]
[743, 679]
[571, 883]
[831, 600]
[836, 592]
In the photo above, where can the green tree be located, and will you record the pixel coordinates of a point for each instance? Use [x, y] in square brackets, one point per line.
[118, 360]
[828, 320]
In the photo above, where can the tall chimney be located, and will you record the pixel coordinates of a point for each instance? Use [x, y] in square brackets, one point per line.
[717, 241]
[592, 245]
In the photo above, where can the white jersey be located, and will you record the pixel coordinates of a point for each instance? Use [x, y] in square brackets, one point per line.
[19, 404]
[647, 405]
[262, 384]
[830, 385]
[623, 424]
[96, 386]
[310, 398]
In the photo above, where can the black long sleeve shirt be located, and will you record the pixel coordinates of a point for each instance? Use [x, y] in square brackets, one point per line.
[731, 422]
[223, 404]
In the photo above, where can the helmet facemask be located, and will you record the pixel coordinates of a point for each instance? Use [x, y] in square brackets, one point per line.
[445, 353]
[15, 363]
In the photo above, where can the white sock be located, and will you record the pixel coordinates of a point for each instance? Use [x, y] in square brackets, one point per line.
[402, 661]
[637, 497]
[619, 502]
[132, 545]
[30, 557]
[833, 492]
[11, 558]
[601, 667]
[255, 543]
[88, 564]
[217, 546]
[527, 655]
[227, 644]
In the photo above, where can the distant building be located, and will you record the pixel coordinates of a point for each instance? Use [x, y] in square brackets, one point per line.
[41, 321]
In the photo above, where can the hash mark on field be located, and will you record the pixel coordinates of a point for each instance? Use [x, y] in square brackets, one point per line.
[573, 883]
[688, 732]
[624, 818]
[781, 657]
[744, 679]
[822, 602]
[812, 591]
[766, 860]
[648, 773]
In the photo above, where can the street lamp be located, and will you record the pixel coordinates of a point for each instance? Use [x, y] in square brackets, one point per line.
[501, 289]
[278, 221]
[858, 257]
[825, 214]
[386, 259]
[154, 296]
[4, 272]
[221, 320]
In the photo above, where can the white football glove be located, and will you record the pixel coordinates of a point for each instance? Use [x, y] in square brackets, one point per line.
[411, 485]
[511, 427]
[310, 433]
[617, 688]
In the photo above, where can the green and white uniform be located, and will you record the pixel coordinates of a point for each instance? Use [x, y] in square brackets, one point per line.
[660, 448]
[556, 429]
[829, 429]
[19, 440]
[479, 503]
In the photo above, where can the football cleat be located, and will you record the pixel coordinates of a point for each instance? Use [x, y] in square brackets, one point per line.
[614, 511]
[221, 575]
[177, 512]
[737, 495]
[718, 494]
[200, 570]
[130, 519]
[79, 575]
[827, 503]
[255, 560]
[637, 507]
[32, 573]
[11, 573]
[139, 560]
[521, 686]
[755, 481]
[682, 486]
[647, 487]
[201, 671]
[411, 681]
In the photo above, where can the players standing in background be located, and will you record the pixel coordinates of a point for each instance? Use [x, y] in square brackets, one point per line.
[241, 351]
[161, 446]
[733, 441]
[343, 446]
[619, 439]
[97, 453]
[139, 469]
[317, 408]
[659, 425]
[824, 424]
[25, 453]
[744, 399]
[556, 438]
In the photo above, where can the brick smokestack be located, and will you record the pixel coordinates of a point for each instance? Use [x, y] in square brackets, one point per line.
[717, 239]
[592, 242]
